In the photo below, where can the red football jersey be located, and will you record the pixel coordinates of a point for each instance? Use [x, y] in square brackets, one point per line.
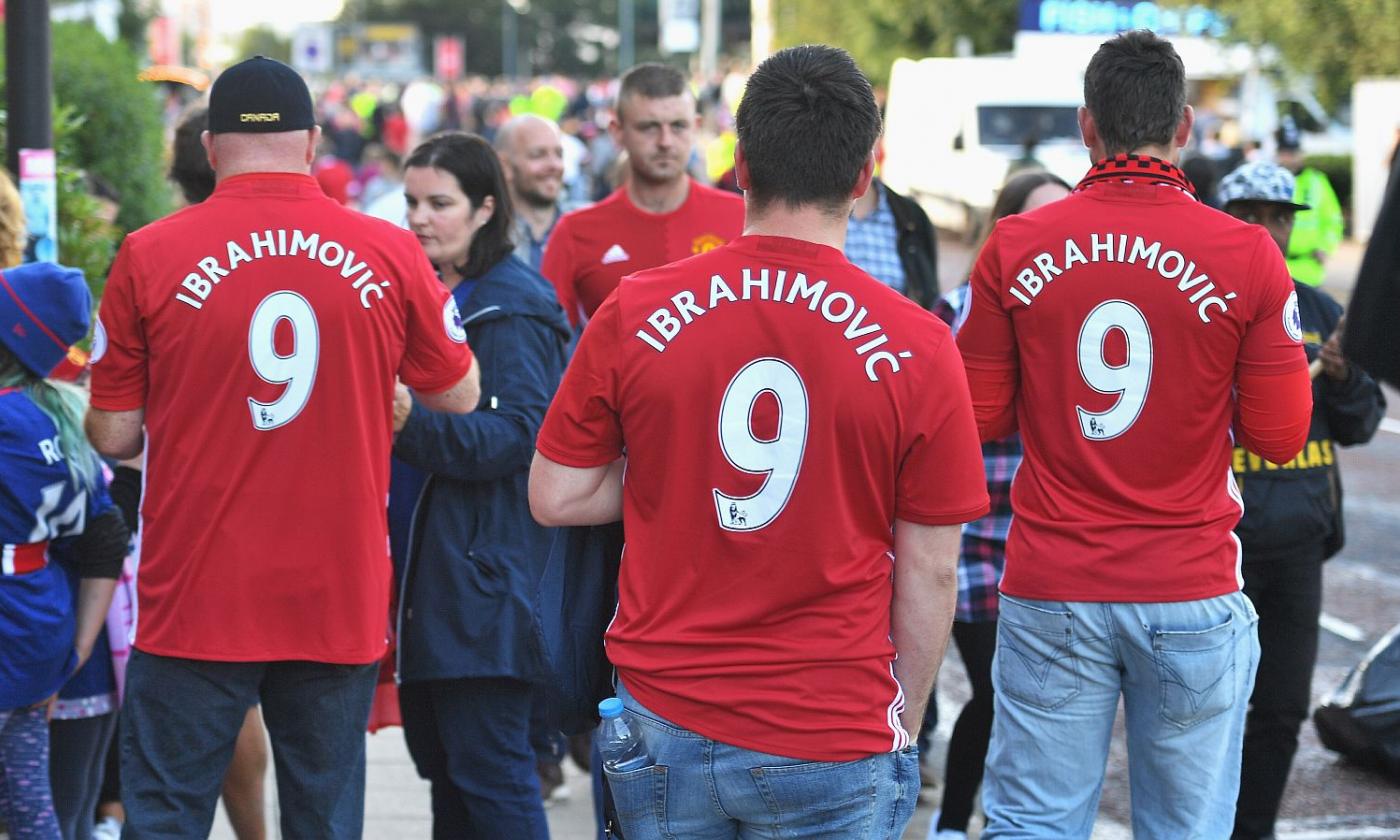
[1125, 312]
[779, 409]
[591, 249]
[262, 331]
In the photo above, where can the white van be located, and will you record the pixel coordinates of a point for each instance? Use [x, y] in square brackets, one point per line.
[955, 126]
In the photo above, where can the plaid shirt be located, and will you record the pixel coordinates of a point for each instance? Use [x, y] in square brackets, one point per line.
[983, 554]
[872, 243]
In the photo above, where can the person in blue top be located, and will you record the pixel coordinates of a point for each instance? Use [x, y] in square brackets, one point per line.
[470, 555]
[53, 506]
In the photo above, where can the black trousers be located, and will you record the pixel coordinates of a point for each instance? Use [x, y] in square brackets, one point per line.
[967, 747]
[1287, 593]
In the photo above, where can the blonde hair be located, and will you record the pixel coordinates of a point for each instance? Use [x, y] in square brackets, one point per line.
[14, 233]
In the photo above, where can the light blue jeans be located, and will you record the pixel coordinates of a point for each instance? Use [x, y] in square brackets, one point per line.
[701, 789]
[1184, 670]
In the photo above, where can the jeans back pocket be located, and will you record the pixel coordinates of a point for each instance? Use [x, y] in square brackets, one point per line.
[1035, 663]
[1197, 672]
[640, 799]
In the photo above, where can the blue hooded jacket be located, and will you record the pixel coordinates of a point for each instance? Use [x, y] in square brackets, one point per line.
[473, 555]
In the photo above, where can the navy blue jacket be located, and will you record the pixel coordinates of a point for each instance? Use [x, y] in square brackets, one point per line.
[474, 555]
[1294, 507]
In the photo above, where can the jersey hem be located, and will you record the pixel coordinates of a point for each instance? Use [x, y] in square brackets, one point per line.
[569, 459]
[277, 656]
[953, 518]
[1154, 597]
[784, 749]
[437, 386]
[118, 403]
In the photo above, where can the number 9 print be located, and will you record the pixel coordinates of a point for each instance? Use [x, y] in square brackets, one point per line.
[779, 460]
[1129, 381]
[296, 370]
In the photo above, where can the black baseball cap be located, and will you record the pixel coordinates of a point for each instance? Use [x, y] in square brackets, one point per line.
[260, 95]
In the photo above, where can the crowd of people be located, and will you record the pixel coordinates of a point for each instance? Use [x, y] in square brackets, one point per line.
[512, 316]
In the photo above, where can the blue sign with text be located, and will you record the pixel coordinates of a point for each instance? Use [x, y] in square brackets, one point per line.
[1109, 17]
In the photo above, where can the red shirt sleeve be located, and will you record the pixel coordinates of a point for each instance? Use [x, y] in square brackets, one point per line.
[1273, 389]
[583, 428]
[941, 480]
[1273, 338]
[119, 373]
[987, 341]
[436, 355]
[557, 266]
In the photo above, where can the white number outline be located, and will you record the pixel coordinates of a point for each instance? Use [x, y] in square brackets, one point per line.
[1088, 418]
[276, 298]
[722, 499]
[50, 525]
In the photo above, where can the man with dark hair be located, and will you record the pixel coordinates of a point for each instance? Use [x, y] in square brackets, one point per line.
[189, 165]
[1122, 571]
[800, 453]
[660, 214]
[264, 551]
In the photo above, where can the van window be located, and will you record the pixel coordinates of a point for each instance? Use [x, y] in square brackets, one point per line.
[1013, 125]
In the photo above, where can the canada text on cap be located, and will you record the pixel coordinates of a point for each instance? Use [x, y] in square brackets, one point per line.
[260, 95]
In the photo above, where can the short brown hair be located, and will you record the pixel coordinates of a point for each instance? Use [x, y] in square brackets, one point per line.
[1135, 88]
[652, 80]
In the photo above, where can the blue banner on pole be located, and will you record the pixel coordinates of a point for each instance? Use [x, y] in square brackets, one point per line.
[1109, 17]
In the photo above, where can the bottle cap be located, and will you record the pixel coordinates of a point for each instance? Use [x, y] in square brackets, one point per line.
[610, 708]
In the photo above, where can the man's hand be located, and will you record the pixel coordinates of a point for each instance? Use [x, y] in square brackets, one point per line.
[403, 406]
[1334, 364]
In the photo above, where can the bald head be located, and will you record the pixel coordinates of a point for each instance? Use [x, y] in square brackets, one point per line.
[532, 154]
[283, 151]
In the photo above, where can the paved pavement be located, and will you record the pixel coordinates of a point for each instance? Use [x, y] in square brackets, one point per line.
[1327, 798]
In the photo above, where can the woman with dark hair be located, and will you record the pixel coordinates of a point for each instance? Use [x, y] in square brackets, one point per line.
[468, 553]
[982, 556]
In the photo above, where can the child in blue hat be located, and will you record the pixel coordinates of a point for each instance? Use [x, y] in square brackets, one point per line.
[53, 506]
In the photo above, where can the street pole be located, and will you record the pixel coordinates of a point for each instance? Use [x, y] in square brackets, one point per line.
[761, 31]
[510, 39]
[709, 39]
[29, 79]
[626, 27]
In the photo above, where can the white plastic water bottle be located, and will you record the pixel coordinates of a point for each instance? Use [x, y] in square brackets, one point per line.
[620, 739]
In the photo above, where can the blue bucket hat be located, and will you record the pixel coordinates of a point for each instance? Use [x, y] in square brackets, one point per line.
[44, 309]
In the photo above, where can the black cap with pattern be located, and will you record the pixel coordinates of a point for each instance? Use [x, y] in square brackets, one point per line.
[260, 95]
[1260, 181]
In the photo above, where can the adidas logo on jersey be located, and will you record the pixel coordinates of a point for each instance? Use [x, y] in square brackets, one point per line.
[615, 254]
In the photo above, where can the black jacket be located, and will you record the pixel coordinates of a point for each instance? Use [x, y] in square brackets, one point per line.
[918, 248]
[1298, 505]
[475, 555]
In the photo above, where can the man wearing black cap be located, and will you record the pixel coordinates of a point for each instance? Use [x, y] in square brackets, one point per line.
[257, 337]
[1292, 515]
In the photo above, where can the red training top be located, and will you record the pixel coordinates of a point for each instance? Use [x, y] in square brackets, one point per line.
[262, 331]
[779, 409]
[591, 249]
[1113, 326]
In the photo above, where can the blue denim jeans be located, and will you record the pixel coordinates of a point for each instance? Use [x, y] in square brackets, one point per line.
[181, 718]
[701, 789]
[1184, 671]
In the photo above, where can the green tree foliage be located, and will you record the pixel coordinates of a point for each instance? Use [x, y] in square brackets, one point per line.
[876, 32]
[264, 40]
[119, 136]
[1336, 41]
[86, 240]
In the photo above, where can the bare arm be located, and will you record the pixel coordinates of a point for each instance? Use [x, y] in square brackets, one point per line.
[460, 398]
[561, 495]
[116, 434]
[925, 598]
[94, 598]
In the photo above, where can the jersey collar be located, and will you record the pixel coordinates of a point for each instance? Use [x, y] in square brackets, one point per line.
[269, 185]
[1138, 169]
